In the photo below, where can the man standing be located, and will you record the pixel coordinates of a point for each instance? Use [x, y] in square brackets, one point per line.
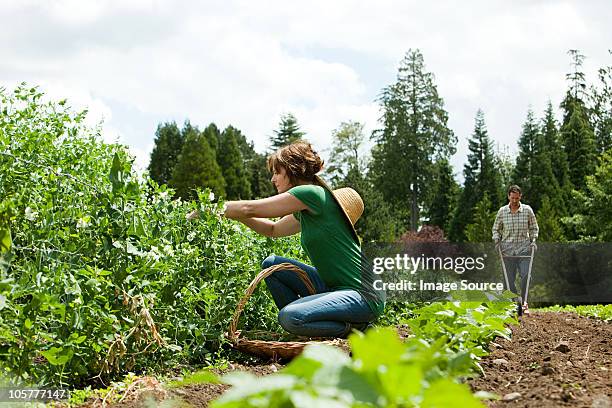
[515, 231]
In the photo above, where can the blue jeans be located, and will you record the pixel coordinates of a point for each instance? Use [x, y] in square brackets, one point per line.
[328, 313]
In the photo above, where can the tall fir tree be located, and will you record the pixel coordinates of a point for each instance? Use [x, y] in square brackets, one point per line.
[481, 178]
[213, 136]
[576, 131]
[445, 194]
[259, 177]
[168, 146]
[255, 165]
[414, 134]
[579, 143]
[523, 173]
[601, 112]
[533, 171]
[558, 159]
[288, 132]
[230, 159]
[196, 167]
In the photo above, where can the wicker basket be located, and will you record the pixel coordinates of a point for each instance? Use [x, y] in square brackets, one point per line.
[274, 349]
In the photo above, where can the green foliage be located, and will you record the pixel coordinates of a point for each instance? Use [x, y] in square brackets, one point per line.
[168, 146]
[481, 229]
[101, 272]
[346, 153]
[601, 110]
[549, 223]
[347, 168]
[553, 146]
[260, 183]
[505, 163]
[212, 135]
[231, 161]
[423, 370]
[594, 220]
[288, 132]
[533, 171]
[199, 377]
[579, 141]
[482, 178]
[196, 168]
[576, 130]
[414, 134]
[603, 312]
[445, 194]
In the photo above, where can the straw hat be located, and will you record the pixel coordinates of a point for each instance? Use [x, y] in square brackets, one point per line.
[349, 201]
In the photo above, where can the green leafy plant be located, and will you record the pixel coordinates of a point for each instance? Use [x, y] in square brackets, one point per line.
[100, 272]
[603, 312]
[424, 370]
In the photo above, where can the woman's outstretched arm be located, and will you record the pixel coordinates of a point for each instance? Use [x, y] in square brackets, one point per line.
[275, 206]
[284, 227]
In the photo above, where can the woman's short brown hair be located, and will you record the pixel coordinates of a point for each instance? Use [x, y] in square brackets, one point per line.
[298, 159]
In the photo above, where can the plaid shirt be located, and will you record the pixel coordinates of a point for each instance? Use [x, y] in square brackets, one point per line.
[515, 230]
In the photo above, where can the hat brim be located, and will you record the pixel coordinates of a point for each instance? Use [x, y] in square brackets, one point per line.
[323, 184]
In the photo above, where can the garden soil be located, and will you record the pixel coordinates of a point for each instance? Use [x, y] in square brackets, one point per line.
[553, 360]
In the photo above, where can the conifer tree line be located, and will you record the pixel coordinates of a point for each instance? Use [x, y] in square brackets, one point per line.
[564, 166]
[224, 161]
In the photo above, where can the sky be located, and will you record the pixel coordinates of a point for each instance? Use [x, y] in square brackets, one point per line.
[137, 63]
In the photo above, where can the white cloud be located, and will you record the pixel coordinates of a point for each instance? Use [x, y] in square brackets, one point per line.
[244, 63]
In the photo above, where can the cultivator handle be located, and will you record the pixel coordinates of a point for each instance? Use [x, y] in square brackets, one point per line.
[262, 275]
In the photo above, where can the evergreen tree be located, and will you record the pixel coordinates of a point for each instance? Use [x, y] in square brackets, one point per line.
[346, 153]
[548, 223]
[259, 177]
[523, 173]
[504, 162]
[576, 131]
[601, 99]
[595, 218]
[481, 178]
[287, 133]
[533, 171]
[579, 143]
[445, 193]
[196, 167]
[480, 229]
[256, 168]
[229, 158]
[168, 145]
[213, 136]
[414, 134]
[558, 159]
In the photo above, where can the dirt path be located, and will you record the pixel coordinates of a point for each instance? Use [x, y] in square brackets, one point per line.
[553, 360]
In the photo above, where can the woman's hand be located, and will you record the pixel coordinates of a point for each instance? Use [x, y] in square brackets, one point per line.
[194, 215]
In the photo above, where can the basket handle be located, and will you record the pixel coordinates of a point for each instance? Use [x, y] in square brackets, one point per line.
[285, 266]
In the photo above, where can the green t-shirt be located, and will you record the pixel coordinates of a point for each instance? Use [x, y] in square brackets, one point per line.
[328, 241]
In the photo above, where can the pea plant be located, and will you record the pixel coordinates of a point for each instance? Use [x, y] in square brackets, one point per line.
[100, 272]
